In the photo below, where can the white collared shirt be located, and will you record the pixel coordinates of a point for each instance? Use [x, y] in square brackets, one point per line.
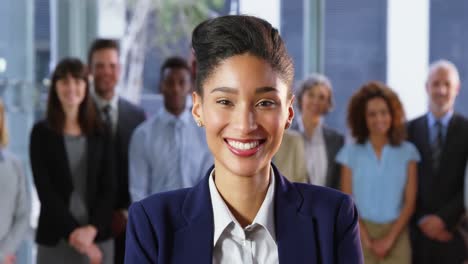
[316, 155]
[256, 243]
[114, 111]
[431, 124]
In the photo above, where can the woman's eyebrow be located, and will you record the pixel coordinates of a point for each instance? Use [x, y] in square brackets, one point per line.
[225, 90]
[259, 90]
[265, 89]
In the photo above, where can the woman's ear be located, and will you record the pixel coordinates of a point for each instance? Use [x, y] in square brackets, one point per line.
[290, 112]
[197, 112]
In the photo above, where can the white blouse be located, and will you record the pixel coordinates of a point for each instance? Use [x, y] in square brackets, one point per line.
[256, 243]
[316, 155]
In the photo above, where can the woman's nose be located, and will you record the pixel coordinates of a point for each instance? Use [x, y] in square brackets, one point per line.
[245, 119]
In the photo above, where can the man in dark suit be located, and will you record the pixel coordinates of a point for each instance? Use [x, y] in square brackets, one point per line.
[441, 138]
[120, 117]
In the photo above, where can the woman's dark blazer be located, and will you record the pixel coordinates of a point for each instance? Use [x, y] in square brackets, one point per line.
[334, 141]
[54, 185]
[313, 224]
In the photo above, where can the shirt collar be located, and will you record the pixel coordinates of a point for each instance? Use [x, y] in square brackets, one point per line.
[369, 146]
[185, 116]
[102, 102]
[265, 216]
[300, 125]
[445, 119]
[223, 216]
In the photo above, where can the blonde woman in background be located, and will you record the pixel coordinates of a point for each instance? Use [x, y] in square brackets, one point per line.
[14, 202]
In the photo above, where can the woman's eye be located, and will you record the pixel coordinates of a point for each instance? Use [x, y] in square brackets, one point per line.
[266, 103]
[223, 102]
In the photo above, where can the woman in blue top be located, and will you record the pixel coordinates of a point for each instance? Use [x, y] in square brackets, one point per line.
[379, 170]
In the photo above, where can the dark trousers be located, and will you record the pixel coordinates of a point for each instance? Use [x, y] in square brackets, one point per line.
[119, 245]
[428, 251]
[464, 232]
[119, 224]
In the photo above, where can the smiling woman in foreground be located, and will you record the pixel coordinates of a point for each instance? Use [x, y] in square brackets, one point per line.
[244, 210]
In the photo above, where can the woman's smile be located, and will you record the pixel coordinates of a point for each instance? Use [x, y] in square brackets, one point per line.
[244, 147]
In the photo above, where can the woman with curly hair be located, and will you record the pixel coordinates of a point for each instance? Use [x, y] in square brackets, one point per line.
[379, 170]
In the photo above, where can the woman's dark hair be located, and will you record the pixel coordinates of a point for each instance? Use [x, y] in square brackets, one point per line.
[87, 115]
[357, 112]
[217, 39]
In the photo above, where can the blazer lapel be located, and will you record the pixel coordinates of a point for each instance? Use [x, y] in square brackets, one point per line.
[63, 161]
[450, 138]
[126, 122]
[450, 143]
[122, 125]
[423, 131]
[328, 144]
[296, 234]
[194, 242]
[121, 116]
[91, 160]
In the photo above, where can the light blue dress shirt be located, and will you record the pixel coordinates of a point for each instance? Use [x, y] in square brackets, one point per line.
[167, 153]
[431, 124]
[378, 185]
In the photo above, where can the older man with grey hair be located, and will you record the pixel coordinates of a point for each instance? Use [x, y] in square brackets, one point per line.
[440, 136]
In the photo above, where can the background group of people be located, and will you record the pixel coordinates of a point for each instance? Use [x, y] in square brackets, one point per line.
[94, 154]
[407, 178]
[79, 161]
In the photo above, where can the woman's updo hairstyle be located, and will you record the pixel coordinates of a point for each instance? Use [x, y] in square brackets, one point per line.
[217, 39]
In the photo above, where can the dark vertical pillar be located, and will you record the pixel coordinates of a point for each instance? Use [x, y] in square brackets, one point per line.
[448, 25]
[355, 49]
[292, 28]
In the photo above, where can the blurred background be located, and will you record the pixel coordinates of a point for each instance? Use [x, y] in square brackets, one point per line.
[351, 42]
